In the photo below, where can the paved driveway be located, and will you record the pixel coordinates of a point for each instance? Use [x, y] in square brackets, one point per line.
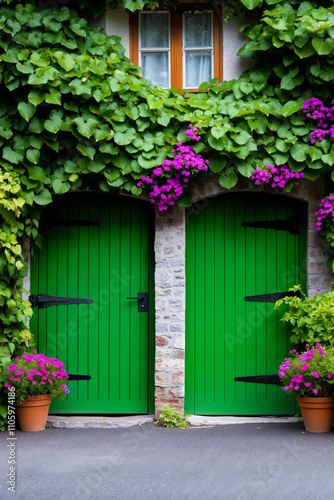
[232, 462]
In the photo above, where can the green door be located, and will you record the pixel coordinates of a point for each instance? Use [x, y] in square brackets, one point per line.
[96, 248]
[228, 259]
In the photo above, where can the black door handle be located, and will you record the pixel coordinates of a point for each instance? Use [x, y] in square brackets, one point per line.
[142, 301]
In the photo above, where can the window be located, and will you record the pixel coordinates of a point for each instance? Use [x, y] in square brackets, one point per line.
[175, 49]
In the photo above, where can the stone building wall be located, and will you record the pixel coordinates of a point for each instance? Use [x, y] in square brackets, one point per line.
[170, 286]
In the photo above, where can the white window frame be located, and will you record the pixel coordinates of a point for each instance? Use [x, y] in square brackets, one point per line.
[156, 49]
[196, 49]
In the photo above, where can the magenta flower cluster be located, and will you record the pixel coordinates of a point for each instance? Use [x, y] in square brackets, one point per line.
[166, 183]
[316, 110]
[309, 373]
[325, 215]
[275, 176]
[37, 374]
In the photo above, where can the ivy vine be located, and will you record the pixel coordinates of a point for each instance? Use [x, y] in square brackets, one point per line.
[75, 112]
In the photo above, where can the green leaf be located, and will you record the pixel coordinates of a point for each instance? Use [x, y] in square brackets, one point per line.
[250, 4]
[43, 198]
[86, 150]
[323, 47]
[36, 97]
[218, 144]
[241, 138]
[55, 122]
[217, 163]
[204, 86]
[123, 138]
[14, 156]
[54, 97]
[299, 151]
[25, 68]
[282, 145]
[246, 87]
[228, 178]
[40, 59]
[185, 200]
[36, 125]
[65, 60]
[291, 107]
[26, 110]
[37, 173]
[305, 51]
[86, 124]
[245, 168]
[103, 132]
[33, 155]
[121, 160]
[60, 187]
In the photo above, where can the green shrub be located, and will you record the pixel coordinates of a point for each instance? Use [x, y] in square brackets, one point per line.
[172, 418]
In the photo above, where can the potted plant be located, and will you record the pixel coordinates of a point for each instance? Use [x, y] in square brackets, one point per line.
[34, 379]
[312, 318]
[309, 377]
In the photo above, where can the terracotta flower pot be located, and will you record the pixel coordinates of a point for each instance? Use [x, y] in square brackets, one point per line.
[33, 413]
[317, 413]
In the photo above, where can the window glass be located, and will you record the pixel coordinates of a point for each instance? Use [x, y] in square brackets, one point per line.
[155, 68]
[154, 31]
[198, 31]
[198, 68]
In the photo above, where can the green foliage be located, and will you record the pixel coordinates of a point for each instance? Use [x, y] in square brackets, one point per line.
[312, 318]
[172, 418]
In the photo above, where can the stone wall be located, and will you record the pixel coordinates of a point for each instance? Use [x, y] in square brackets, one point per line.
[170, 308]
[170, 287]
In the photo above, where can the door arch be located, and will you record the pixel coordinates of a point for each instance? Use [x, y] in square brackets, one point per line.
[228, 259]
[97, 247]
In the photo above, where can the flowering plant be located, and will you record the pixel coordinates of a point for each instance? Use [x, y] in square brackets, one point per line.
[324, 217]
[167, 182]
[312, 318]
[316, 110]
[35, 374]
[275, 176]
[324, 222]
[309, 373]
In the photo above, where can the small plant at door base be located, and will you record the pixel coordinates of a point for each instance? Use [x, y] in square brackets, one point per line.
[312, 318]
[34, 374]
[309, 373]
[172, 418]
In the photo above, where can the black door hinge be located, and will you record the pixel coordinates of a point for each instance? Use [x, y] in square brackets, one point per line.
[42, 301]
[290, 225]
[261, 379]
[272, 297]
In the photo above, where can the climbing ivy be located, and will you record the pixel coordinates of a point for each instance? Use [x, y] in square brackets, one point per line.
[75, 112]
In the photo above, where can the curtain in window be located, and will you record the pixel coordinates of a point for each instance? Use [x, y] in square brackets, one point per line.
[198, 32]
[198, 68]
[154, 35]
[154, 31]
[155, 68]
[197, 35]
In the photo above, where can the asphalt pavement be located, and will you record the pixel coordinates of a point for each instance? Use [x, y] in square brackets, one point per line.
[230, 462]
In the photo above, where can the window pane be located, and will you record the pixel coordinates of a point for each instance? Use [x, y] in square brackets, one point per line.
[155, 68]
[198, 68]
[154, 31]
[198, 30]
